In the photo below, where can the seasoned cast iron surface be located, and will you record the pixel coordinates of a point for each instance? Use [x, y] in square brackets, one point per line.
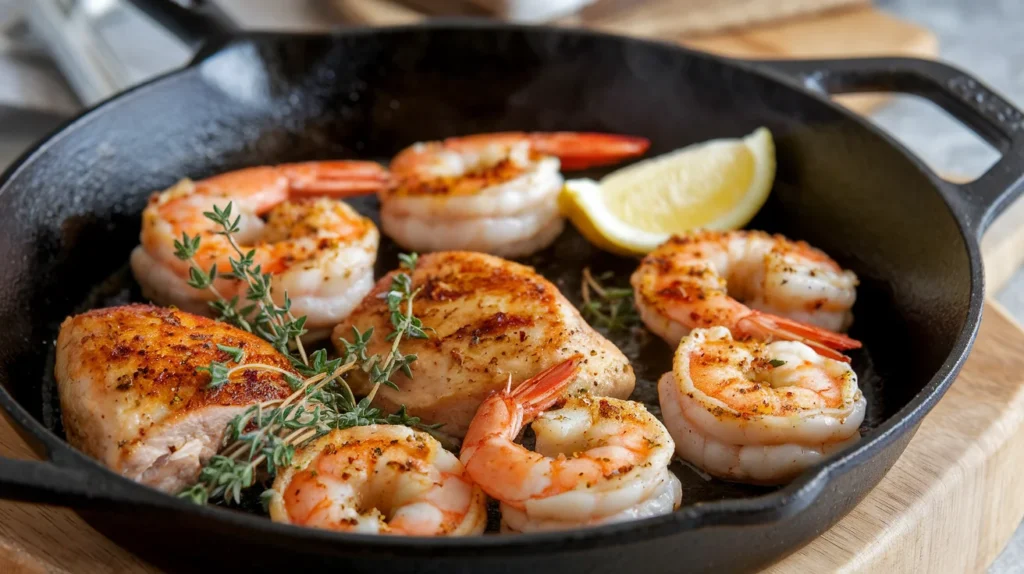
[71, 215]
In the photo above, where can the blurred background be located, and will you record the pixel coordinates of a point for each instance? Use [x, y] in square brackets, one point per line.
[60, 56]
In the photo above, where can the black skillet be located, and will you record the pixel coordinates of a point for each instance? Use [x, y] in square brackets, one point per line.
[69, 215]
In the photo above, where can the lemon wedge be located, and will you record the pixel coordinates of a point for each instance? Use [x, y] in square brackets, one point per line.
[718, 184]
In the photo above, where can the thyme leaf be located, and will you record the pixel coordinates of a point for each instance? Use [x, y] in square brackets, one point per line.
[237, 355]
[218, 374]
[609, 308]
[265, 436]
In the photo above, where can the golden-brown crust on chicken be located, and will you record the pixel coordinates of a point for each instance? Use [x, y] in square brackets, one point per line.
[489, 318]
[131, 395]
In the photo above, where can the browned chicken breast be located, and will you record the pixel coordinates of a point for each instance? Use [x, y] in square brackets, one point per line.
[491, 318]
[132, 398]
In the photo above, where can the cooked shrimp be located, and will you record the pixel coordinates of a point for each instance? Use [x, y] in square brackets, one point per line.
[598, 459]
[757, 412]
[789, 289]
[488, 318]
[318, 250]
[494, 193]
[379, 479]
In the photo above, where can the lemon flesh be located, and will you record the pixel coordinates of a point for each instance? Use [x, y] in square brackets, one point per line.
[719, 184]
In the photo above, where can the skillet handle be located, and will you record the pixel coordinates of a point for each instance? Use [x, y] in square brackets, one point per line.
[66, 479]
[976, 105]
[194, 22]
[42, 482]
[62, 484]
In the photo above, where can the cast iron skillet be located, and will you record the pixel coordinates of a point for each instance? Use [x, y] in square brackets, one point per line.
[69, 215]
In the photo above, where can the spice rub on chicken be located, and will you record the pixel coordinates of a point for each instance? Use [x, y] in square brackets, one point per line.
[132, 397]
[487, 318]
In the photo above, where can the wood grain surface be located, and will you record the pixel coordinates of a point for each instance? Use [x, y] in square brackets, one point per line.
[955, 497]
[652, 18]
[37, 538]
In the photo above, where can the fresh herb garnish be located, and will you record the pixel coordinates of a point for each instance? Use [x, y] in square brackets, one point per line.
[776, 362]
[267, 434]
[274, 323]
[609, 308]
[237, 355]
[404, 324]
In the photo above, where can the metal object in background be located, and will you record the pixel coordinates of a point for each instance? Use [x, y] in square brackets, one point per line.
[107, 46]
[28, 81]
[104, 46]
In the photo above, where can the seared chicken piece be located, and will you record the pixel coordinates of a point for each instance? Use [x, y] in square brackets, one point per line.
[490, 318]
[131, 396]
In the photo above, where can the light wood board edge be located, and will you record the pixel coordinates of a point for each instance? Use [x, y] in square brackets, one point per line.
[35, 538]
[956, 495]
[652, 18]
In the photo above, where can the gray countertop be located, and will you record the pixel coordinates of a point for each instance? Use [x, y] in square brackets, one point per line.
[982, 36]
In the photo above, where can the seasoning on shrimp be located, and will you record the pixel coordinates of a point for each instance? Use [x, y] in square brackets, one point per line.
[494, 193]
[789, 290]
[757, 412]
[598, 460]
[318, 250]
[379, 479]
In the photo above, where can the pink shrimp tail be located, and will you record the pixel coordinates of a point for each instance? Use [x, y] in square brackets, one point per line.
[506, 412]
[273, 183]
[341, 178]
[826, 343]
[543, 390]
[581, 150]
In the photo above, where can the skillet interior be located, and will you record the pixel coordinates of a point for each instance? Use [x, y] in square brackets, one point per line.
[70, 213]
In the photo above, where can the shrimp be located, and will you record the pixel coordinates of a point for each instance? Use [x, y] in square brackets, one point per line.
[379, 479]
[790, 290]
[757, 412]
[494, 193]
[318, 250]
[598, 459]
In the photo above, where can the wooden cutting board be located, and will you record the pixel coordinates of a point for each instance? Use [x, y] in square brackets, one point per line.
[639, 17]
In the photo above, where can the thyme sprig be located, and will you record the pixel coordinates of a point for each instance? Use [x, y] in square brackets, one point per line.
[267, 433]
[265, 436]
[271, 321]
[610, 308]
[404, 323]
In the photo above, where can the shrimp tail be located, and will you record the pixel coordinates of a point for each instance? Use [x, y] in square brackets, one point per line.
[268, 185]
[826, 343]
[581, 150]
[543, 390]
[341, 178]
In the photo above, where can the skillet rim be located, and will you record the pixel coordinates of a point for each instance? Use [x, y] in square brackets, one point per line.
[766, 508]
